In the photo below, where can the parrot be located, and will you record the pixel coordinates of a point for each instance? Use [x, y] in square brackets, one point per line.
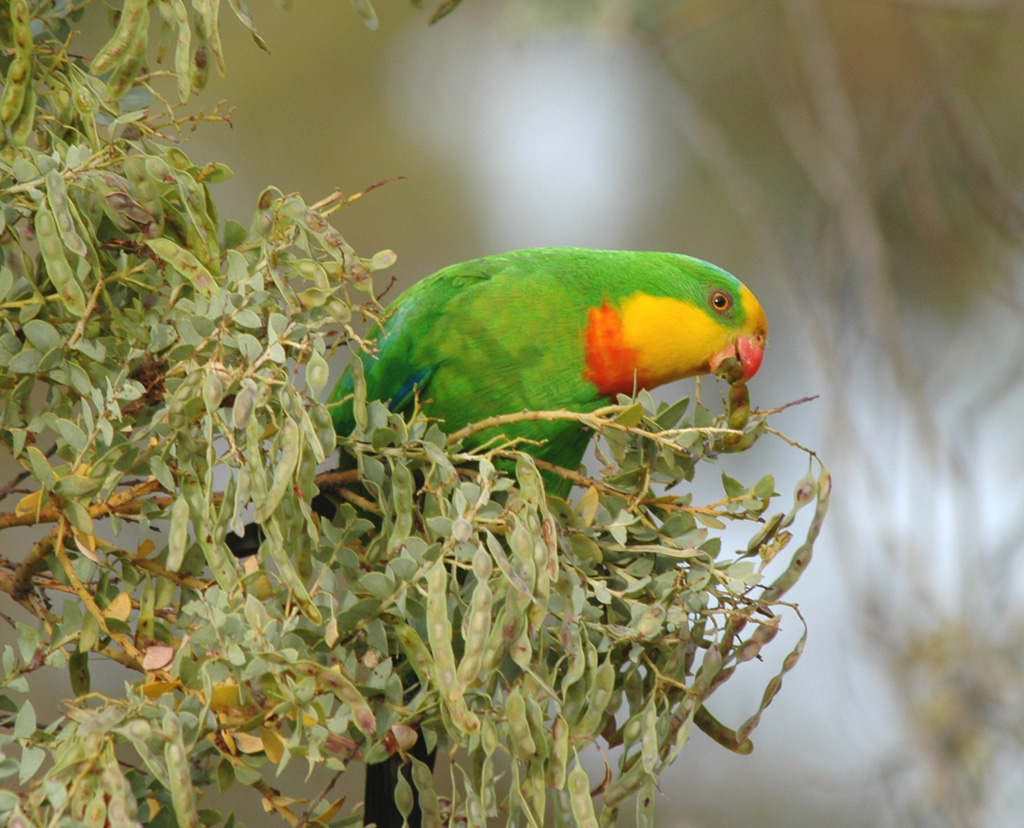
[543, 329]
[552, 328]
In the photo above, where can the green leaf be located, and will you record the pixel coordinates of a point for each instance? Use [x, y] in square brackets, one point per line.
[72, 434]
[26, 361]
[31, 760]
[25, 721]
[42, 335]
[733, 488]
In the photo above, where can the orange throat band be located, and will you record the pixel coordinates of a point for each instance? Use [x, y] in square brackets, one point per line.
[611, 363]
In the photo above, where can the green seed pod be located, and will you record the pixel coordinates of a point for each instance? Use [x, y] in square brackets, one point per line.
[415, 651]
[404, 799]
[21, 18]
[21, 129]
[183, 51]
[179, 777]
[134, 60]
[158, 169]
[18, 81]
[317, 373]
[559, 754]
[16, 84]
[483, 564]
[213, 391]
[134, 21]
[52, 248]
[477, 629]
[177, 535]
[519, 725]
[439, 629]
[649, 740]
[147, 612]
[245, 403]
[600, 696]
[187, 264]
[580, 802]
[284, 471]
[57, 197]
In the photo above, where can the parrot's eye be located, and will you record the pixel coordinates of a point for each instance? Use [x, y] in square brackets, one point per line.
[720, 301]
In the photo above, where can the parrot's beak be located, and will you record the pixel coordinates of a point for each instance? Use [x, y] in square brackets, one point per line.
[749, 350]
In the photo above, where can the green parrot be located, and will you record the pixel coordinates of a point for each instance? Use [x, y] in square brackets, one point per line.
[545, 329]
[551, 328]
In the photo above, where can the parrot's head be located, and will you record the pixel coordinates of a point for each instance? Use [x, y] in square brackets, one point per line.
[747, 340]
[696, 319]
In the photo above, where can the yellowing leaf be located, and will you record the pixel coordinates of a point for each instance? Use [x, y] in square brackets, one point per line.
[273, 744]
[247, 743]
[146, 548]
[225, 696]
[331, 812]
[229, 740]
[30, 504]
[587, 507]
[120, 608]
[155, 689]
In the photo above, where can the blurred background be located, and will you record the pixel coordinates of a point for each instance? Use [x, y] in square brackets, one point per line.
[859, 164]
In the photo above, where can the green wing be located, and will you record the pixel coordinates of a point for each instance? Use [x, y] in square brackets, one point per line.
[491, 336]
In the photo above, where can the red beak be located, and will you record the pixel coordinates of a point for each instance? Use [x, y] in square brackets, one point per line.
[749, 350]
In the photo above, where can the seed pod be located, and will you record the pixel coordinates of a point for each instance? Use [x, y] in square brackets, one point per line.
[134, 59]
[147, 612]
[477, 629]
[52, 248]
[649, 740]
[291, 446]
[213, 391]
[184, 262]
[133, 21]
[519, 725]
[147, 193]
[57, 197]
[580, 802]
[19, 73]
[245, 402]
[177, 535]
[19, 76]
[207, 30]
[317, 373]
[559, 754]
[21, 129]
[415, 651]
[600, 696]
[404, 799]
[179, 777]
[183, 51]
[439, 629]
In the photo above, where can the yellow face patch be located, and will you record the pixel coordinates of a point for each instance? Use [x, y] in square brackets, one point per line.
[672, 339]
